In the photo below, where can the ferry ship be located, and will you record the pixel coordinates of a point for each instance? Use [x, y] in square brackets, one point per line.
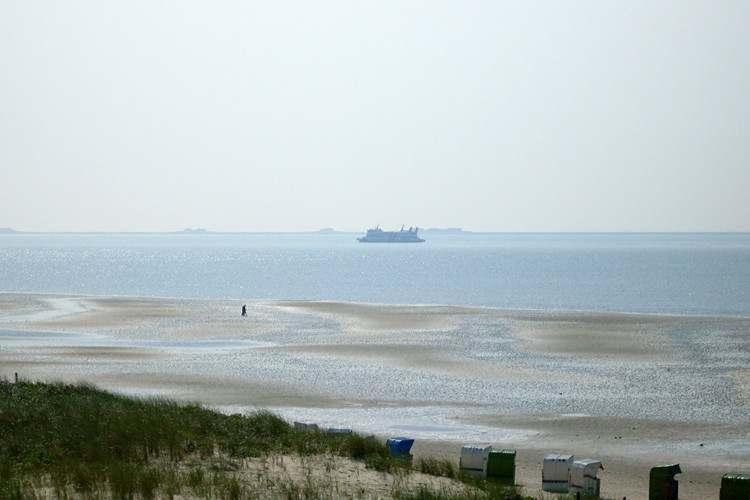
[377, 235]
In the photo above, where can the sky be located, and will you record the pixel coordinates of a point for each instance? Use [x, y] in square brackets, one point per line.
[591, 115]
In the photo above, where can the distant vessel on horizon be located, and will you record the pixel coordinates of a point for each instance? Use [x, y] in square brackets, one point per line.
[377, 235]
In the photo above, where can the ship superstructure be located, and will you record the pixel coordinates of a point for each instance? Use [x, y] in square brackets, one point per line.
[377, 235]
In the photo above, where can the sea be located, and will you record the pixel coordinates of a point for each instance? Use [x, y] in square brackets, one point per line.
[670, 273]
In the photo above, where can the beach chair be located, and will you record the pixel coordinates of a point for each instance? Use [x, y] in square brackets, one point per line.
[583, 478]
[501, 466]
[735, 487]
[473, 459]
[556, 473]
[306, 426]
[339, 431]
[661, 483]
[400, 447]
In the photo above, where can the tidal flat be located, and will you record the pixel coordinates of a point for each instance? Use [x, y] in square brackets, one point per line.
[630, 389]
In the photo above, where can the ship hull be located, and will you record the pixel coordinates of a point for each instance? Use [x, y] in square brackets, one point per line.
[365, 240]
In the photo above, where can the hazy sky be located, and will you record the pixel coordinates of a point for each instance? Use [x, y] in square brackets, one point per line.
[512, 116]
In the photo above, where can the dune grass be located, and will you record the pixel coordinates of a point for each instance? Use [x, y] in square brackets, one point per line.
[78, 441]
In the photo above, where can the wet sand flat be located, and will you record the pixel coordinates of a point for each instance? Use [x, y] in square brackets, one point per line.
[586, 338]
[382, 317]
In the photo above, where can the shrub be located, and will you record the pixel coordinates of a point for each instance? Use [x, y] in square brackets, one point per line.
[436, 467]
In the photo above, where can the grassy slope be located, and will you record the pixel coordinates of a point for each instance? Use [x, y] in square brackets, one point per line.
[77, 440]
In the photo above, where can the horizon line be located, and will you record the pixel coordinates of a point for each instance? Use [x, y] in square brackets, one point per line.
[203, 232]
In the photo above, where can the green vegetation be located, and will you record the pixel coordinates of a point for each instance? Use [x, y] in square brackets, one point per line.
[436, 467]
[77, 441]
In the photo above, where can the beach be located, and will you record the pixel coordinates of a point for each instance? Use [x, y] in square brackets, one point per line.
[244, 245]
[633, 390]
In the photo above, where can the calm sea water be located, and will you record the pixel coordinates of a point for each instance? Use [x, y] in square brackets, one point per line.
[656, 273]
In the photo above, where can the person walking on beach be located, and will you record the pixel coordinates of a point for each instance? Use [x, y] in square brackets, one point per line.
[244, 310]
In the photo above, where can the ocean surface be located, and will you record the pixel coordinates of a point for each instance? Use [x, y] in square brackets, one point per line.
[706, 274]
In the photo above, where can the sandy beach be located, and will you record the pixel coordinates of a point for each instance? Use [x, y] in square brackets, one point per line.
[631, 390]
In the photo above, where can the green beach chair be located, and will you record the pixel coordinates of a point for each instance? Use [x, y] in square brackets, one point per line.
[501, 466]
[735, 487]
[662, 484]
